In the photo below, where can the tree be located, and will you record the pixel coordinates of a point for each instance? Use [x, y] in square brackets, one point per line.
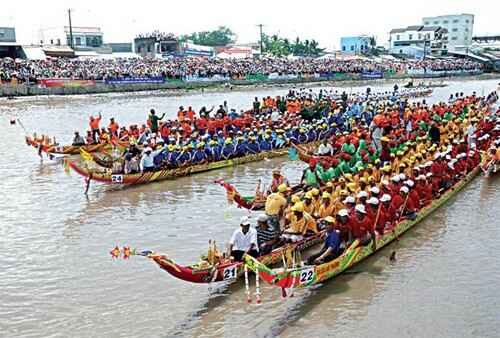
[222, 36]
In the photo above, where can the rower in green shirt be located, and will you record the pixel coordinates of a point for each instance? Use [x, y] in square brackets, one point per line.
[310, 176]
[153, 119]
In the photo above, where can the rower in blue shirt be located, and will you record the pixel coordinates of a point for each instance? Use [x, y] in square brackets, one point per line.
[265, 145]
[241, 147]
[185, 157]
[199, 155]
[228, 150]
[331, 247]
[216, 151]
[302, 137]
[173, 156]
[252, 146]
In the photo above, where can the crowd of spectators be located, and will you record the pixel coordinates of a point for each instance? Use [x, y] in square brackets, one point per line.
[99, 69]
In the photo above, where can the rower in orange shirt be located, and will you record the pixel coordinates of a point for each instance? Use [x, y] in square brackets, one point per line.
[180, 114]
[190, 113]
[113, 127]
[94, 126]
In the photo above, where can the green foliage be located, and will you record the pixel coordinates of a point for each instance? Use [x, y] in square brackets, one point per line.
[222, 36]
[279, 46]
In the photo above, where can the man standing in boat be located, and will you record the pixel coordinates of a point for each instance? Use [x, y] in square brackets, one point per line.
[244, 241]
[154, 119]
[278, 180]
[275, 205]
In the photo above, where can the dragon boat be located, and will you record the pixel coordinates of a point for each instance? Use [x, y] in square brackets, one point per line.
[214, 267]
[307, 276]
[105, 175]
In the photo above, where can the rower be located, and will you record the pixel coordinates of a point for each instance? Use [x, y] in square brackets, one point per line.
[78, 140]
[244, 241]
[331, 247]
[300, 224]
[278, 180]
[267, 237]
[275, 205]
[360, 225]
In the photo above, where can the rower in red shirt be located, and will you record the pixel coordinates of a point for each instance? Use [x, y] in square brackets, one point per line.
[360, 225]
[413, 193]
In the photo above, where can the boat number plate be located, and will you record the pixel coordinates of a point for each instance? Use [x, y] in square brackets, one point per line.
[117, 178]
[229, 273]
[306, 276]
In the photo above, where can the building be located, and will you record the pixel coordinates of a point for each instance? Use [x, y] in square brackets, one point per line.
[84, 38]
[156, 44]
[459, 29]
[356, 44]
[7, 34]
[418, 41]
[8, 45]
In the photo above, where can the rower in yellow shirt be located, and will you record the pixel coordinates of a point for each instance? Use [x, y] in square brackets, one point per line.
[302, 223]
[275, 206]
[327, 208]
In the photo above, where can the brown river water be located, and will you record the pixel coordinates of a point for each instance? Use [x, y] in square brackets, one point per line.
[57, 278]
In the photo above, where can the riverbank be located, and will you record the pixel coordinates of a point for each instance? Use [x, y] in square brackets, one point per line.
[179, 87]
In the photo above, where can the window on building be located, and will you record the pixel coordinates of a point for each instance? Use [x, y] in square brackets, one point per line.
[445, 47]
[436, 22]
[400, 51]
[58, 42]
[352, 48]
[454, 38]
[466, 20]
[427, 23]
[455, 21]
[427, 36]
[343, 48]
[397, 37]
[445, 22]
[149, 48]
[466, 29]
[419, 36]
[51, 41]
[454, 29]
[78, 41]
[410, 36]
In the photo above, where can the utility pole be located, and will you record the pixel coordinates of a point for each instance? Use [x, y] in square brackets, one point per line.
[261, 37]
[70, 30]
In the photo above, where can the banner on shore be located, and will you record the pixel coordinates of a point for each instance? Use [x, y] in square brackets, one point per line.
[132, 80]
[65, 83]
[372, 75]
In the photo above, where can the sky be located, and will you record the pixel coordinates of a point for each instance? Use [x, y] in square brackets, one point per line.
[325, 21]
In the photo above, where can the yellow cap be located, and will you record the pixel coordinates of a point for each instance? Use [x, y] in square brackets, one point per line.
[326, 195]
[329, 184]
[330, 219]
[308, 195]
[295, 199]
[315, 192]
[351, 186]
[282, 188]
[348, 177]
[299, 207]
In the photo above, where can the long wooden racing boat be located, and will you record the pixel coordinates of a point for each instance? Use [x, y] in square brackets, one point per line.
[306, 153]
[225, 269]
[307, 276]
[64, 150]
[106, 176]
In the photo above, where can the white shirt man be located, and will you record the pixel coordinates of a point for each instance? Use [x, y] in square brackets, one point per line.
[244, 241]
[325, 149]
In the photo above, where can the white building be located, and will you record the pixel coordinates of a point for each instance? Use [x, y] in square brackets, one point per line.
[418, 41]
[83, 37]
[459, 29]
